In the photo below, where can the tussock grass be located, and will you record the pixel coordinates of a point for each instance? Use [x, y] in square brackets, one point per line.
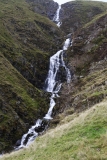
[84, 137]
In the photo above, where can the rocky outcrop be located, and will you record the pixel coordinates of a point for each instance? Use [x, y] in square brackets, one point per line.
[88, 60]
[75, 14]
[44, 7]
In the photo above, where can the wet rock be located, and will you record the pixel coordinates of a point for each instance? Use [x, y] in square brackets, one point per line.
[18, 143]
[39, 129]
[43, 126]
[69, 35]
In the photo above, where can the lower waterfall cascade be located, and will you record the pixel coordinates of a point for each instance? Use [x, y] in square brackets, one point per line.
[52, 85]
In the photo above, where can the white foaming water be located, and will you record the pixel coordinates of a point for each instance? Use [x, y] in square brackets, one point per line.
[56, 17]
[68, 74]
[30, 132]
[65, 47]
[53, 69]
[56, 61]
[52, 104]
[66, 44]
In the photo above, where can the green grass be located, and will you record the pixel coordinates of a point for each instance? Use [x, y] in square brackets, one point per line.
[84, 138]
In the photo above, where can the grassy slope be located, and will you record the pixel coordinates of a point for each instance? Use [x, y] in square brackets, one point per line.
[84, 137]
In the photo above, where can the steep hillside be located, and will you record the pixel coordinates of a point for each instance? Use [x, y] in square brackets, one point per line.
[27, 39]
[75, 14]
[89, 44]
[88, 62]
[44, 7]
[20, 104]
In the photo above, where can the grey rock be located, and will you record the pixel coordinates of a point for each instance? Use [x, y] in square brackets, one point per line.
[18, 143]
[44, 7]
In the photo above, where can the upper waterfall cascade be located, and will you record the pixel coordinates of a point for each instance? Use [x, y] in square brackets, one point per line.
[57, 61]
[53, 84]
[56, 17]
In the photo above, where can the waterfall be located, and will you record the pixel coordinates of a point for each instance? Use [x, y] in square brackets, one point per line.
[52, 104]
[53, 85]
[30, 135]
[56, 17]
[53, 69]
[55, 62]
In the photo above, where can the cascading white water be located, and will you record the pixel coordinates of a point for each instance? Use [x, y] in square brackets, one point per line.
[53, 69]
[55, 62]
[30, 132]
[53, 85]
[68, 74]
[66, 44]
[49, 113]
[56, 17]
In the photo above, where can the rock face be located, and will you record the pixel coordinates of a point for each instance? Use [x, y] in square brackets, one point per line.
[89, 44]
[75, 14]
[88, 60]
[44, 7]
